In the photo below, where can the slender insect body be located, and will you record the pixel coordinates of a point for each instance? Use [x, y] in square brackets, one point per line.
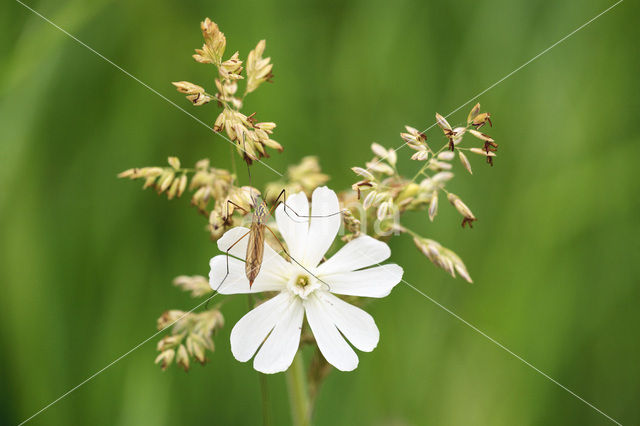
[255, 250]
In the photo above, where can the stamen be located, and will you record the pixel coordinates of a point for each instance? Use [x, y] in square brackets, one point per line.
[302, 280]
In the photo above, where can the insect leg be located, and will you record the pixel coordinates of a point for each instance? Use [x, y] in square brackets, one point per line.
[227, 252]
[283, 195]
[292, 258]
[236, 206]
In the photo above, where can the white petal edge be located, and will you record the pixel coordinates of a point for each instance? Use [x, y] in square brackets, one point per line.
[236, 282]
[231, 237]
[278, 351]
[322, 230]
[354, 323]
[330, 342]
[373, 282]
[292, 224]
[249, 333]
[356, 254]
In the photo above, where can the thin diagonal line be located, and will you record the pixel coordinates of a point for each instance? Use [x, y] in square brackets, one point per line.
[474, 97]
[494, 341]
[88, 379]
[510, 352]
[140, 81]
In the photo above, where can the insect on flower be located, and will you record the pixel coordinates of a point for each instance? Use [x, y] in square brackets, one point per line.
[256, 233]
[272, 330]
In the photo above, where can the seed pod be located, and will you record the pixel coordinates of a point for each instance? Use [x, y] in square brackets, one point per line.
[439, 165]
[442, 122]
[149, 182]
[378, 150]
[379, 166]
[363, 172]
[480, 135]
[151, 171]
[421, 155]
[199, 99]
[174, 162]
[383, 209]
[182, 358]
[369, 199]
[169, 342]
[187, 88]
[457, 134]
[442, 177]
[465, 162]
[273, 144]
[165, 358]
[473, 113]
[481, 119]
[196, 345]
[480, 151]
[446, 155]
[173, 190]
[168, 318]
[219, 124]
[392, 157]
[129, 173]
[182, 185]
[462, 209]
[266, 126]
[433, 206]
[165, 180]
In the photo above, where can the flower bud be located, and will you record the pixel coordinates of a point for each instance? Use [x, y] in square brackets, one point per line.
[173, 189]
[433, 206]
[462, 209]
[174, 162]
[165, 180]
[188, 88]
[465, 161]
[473, 113]
[369, 200]
[182, 358]
[363, 172]
[182, 185]
[442, 122]
[446, 156]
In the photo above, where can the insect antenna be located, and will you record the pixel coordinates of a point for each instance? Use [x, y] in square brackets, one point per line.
[283, 195]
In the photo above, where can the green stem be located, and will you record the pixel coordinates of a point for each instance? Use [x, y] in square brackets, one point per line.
[298, 395]
[266, 416]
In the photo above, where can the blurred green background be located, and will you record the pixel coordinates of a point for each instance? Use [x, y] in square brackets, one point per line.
[86, 260]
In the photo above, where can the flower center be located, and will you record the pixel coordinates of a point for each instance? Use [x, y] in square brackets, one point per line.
[302, 283]
[302, 280]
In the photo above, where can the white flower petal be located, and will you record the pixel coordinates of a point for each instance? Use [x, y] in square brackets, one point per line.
[236, 281]
[322, 230]
[231, 237]
[293, 225]
[275, 264]
[249, 333]
[282, 344]
[356, 254]
[372, 282]
[354, 323]
[330, 342]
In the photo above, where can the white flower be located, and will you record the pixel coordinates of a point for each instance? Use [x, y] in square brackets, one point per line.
[275, 325]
